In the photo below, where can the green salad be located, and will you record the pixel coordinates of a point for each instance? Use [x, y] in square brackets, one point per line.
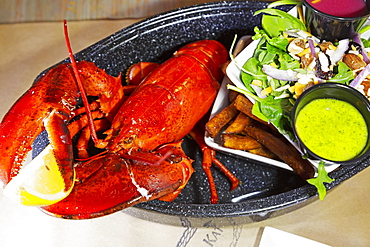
[288, 60]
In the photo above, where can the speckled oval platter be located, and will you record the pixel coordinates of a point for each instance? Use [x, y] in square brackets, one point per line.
[266, 191]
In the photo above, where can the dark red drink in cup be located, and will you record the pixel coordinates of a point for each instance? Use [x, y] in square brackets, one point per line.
[340, 8]
[333, 20]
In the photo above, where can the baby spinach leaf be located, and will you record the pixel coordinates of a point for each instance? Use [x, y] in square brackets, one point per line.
[276, 21]
[277, 111]
[279, 42]
[252, 70]
[287, 62]
[247, 80]
[257, 112]
[366, 42]
[252, 67]
[266, 57]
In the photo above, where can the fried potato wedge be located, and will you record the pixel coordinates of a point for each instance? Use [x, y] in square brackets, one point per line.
[239, 142]
[265, 152]
[289, 155]
[244, 105]
[220, 120]
[238, 125]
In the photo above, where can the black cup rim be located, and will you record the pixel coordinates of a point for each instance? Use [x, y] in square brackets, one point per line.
[342, 19]
[330, 85]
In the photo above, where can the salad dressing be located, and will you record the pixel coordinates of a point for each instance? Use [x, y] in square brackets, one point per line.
[332, 129]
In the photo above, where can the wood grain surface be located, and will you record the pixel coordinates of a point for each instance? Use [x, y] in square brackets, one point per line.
[14, 11]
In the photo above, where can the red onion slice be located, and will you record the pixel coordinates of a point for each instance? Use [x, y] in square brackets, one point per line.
[360, 77]
[311, 44]
[357, 39]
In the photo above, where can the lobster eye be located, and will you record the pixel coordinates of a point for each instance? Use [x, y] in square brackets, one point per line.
[174, 158]
[128, 140]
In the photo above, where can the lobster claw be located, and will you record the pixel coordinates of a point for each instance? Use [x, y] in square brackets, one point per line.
[133, 178]
[37, 110]
[52, 167]
[41, 108]
[48, 105]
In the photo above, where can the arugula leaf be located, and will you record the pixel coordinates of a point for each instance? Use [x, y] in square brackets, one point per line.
[344, 74]
[318, 182]
[277, 21]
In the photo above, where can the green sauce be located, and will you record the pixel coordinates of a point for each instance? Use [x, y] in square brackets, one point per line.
[332, 129]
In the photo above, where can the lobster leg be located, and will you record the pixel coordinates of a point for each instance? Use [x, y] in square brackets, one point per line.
[209, 158]
[137, 72]
[84, 139]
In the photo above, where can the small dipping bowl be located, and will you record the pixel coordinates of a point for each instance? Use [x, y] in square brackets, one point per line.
[332, 28]
[338, 92]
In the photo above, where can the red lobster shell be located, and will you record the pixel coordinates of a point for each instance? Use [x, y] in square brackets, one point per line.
[144, 159]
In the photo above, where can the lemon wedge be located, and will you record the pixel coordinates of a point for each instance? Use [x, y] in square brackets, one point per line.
[39, 183]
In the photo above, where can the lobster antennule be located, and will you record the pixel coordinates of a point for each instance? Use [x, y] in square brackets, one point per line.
[79, 84]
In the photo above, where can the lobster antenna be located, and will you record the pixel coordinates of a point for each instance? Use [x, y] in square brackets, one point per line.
[80, 85]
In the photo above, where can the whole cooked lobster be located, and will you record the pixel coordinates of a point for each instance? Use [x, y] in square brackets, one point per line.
[141, 156]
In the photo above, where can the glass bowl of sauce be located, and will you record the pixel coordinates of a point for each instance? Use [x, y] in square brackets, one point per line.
[333, 20]
[332, 123]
